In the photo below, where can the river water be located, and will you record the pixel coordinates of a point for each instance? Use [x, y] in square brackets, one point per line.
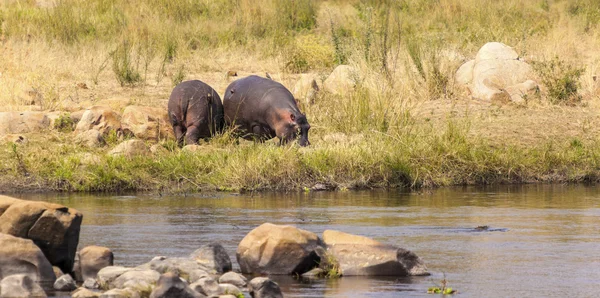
[542, 241]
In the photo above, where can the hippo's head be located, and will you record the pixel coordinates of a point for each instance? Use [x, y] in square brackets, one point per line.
[297, 125]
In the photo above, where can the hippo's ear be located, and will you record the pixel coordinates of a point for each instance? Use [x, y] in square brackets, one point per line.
[293, 117]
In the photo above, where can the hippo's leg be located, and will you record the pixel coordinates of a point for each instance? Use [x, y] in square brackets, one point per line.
[179, 134]
[192, 135]
[257, 134]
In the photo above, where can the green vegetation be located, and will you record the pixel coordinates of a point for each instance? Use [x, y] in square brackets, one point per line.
[561, 79]
[442, 289]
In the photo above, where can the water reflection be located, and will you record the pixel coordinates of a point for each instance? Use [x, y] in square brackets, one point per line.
[546, 243]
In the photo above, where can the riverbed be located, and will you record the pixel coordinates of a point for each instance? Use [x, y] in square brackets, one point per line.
[532, 240]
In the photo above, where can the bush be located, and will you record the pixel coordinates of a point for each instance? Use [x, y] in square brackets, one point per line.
[307, 52]
[561, 80]
[64, 123]
[124, 67]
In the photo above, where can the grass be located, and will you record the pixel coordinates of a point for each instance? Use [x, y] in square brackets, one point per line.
[405, 125]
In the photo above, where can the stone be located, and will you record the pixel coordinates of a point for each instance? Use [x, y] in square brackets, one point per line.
[263, 287]
[306, 88]
[130, 148]
[169, 285]
[147, 123]
[121, 293]
[92, 259]
[84, 293]
[57, 272]
[196, 274]
[315, 273]
[100, 118]
[53, 228]
[108, 274]
[158, 149]
[358, 255]
[184, 266]
[23, 122]
[213, 257]
[191, 148]
[20, 285]
[233, 278]
[90, 138]
[342, 80]
[91, 284]
[278, 249]
[135, 278]
[229, 289]
[207, 286]
[497, 75]
[65, 283]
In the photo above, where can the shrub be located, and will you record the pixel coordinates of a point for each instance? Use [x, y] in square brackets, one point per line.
[561, 80]
[124, 67]
[64, 123]
[308, 52]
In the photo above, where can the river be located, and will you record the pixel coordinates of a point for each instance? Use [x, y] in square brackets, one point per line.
[542, 240]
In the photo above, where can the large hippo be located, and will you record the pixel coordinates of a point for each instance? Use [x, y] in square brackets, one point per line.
[262, 109]
[195, 111]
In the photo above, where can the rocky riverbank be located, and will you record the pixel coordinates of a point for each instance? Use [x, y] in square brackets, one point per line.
[30, 264]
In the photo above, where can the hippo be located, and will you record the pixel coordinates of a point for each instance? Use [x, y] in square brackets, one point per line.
[262, 109]
[195, 111]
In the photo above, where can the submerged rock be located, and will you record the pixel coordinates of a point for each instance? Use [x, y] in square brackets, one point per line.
[169, 285]
[358, 255]
[65, 283]
[233, 278]
[263, 287]
[213, 257]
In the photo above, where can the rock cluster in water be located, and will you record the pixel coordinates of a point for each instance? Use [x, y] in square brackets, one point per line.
[27, 262]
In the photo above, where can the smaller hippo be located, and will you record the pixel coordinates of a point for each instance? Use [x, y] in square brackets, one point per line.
[262, 109]
[195, 111]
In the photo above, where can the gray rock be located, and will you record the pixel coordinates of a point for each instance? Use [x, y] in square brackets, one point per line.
[65, 283]
[358, 255]
[136, 279]
[342, 80]
[229, 289]
[315, 273]
[20, 285]
[213, 257]
[169, 285]
[130, 148]
[90, 138]
[121, 293]
[91, 284]
[22, 256]
[233, 278]
[183, 266]
[262, 287]
[23, 122]
[108, 274]
[197, 274]
[84, 293]
[207, 286]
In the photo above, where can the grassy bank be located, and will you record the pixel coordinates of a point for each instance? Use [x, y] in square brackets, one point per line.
[406, 125]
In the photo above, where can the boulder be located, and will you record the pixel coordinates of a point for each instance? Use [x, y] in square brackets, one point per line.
[130, 148]
[342, 80]
[135, 279]
[191, 148]
[233, 278]
[229, 289]
[147, 123]
[23, 122]
[121, 293]
[207, 286]
[20, 285]
[213, 257]
[263, 287]
[91, 283]
[92, 259]
[100, 118]
[183, 266]
[65, 283]
[170, 285]
[196, 274]
[108, 274]
[278, 249]
[22, 256]
[306, 88]
[90, 138]
[358, 255]
[497, 75]
[84, 293]
[53, 228]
